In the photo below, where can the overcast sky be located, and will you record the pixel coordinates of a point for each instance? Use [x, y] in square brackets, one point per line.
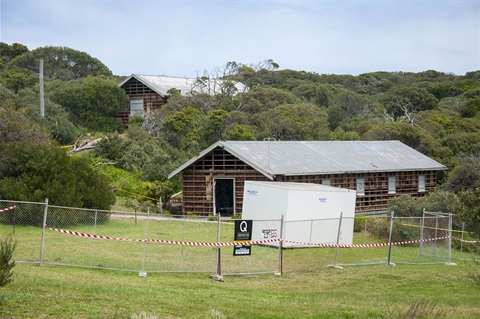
[186, 38]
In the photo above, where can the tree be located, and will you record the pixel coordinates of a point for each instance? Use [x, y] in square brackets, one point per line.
[252, 75]
[265, 98]
[405, 101]
[181, 129]
[295, 122]
[466, 174]
[93, 103]
[410, 135]
[9, 52]
[240, 132]
[56, 121]
[436, 201]
[470, 213]
[61, 63]
[215, 126]
[462, 143]
[16, 127]
[471, 107]
[32, 172]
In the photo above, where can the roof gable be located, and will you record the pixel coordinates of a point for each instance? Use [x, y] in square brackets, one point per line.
[291, 158]
[186, 86]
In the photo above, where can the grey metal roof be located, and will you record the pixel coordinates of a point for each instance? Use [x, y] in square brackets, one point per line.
[161, 84]
[291, 158]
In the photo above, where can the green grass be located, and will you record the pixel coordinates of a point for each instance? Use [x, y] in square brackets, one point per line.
[307, 289]
[354, 292]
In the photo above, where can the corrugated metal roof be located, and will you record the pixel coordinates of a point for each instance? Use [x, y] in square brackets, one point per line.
[161, 84]
[324, 157]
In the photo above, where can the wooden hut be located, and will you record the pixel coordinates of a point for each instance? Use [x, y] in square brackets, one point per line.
[147, 93]
[213, 181]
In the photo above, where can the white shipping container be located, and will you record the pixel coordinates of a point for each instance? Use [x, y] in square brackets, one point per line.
[311, 212]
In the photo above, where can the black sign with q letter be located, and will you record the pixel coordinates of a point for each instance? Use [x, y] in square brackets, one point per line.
[243, 230]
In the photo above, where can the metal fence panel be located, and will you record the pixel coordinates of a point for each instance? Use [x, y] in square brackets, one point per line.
[144, 242]
[25, 222]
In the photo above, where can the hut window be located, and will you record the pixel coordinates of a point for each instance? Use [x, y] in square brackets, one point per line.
[136, 106]
[392, 185]
[360, 186]
[421, 183]
[326, 182]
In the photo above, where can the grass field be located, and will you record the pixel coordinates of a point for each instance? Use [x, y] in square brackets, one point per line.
[307, 289]
[354, 292]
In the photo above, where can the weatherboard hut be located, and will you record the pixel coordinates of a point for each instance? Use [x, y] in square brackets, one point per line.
[146, 93]
[213, 181]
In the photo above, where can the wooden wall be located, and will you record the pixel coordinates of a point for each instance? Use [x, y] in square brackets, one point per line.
[198, 177]
[136, 90]
[376, 186]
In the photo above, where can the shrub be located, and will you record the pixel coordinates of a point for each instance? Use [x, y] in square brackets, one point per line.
[380, 228]
[7, 247]
[359, 223]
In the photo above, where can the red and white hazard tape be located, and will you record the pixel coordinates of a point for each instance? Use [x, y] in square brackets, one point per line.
[256, 242]
[161, 241]
[7, 208]
[466, 241]
[399, 243]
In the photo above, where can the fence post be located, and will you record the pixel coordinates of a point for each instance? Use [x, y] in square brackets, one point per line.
[436, 236]
[422, 229]
[183, 239]
[218, 267]
[339, 231]
[364, 238]
[280, 250]
[143, 273]
[390, 241]
[219, 261]
[92, 256]
[450, 241]
[44, 225]
[461, 242]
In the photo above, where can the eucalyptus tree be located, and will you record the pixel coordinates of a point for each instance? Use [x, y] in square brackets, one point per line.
[294, 122]
[92, 102]
[404, 102]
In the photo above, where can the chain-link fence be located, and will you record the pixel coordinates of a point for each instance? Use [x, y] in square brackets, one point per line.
[146, 242]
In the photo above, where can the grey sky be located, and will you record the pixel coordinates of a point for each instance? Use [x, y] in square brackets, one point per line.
[185, 38]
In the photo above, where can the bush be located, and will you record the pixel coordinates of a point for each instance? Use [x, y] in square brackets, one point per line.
[359, 223]
[380, 229]
[7, 247]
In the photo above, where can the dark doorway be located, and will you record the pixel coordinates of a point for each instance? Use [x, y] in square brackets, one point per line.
[224, 196]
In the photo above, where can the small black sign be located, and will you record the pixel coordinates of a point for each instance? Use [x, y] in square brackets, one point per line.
[243, 230]
[242, 250]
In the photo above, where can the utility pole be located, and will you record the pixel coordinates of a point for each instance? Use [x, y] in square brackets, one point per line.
[42, 97]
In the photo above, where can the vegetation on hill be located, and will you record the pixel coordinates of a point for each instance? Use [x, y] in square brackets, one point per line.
[433, 112]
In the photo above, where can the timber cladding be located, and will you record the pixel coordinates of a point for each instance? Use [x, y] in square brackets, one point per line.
[136, 90]
[198, 181]
[219, 165]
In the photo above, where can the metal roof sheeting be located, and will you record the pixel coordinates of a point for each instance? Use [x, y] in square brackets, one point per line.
[291, 158]
[161, 84]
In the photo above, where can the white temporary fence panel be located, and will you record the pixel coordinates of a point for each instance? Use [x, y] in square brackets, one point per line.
[299, 204]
